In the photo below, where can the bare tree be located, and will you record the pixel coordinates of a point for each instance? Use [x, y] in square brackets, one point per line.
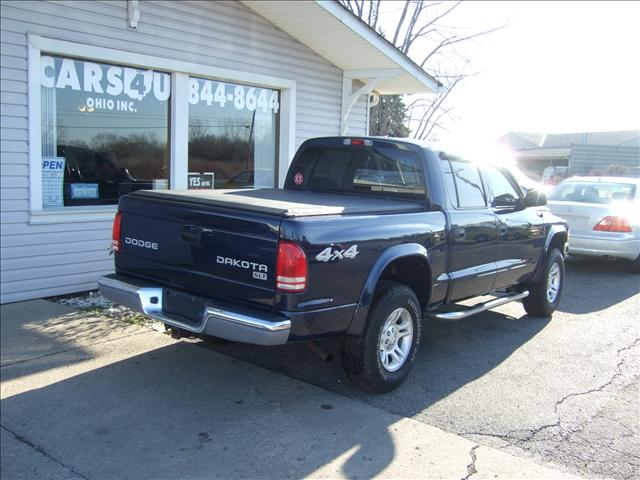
[421, 32]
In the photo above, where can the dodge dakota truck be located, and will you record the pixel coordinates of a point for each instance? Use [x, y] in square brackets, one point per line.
[368, 237]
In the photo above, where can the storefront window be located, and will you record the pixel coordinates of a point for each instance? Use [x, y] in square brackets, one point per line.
[105, 131]
[232, 135]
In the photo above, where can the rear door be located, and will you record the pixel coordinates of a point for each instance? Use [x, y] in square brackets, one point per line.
[472, 234]
[216, 252]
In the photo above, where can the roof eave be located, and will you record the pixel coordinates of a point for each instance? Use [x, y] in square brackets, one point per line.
[358, 26]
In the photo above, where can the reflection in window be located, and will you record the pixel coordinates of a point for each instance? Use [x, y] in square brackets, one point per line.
[104, 131]
[450, 184]
[468, 184]
[232, 133]
[501, 187]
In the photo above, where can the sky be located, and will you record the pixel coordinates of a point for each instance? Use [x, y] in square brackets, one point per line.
[556, 67]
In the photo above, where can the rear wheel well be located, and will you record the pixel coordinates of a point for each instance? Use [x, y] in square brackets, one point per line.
[412, 271]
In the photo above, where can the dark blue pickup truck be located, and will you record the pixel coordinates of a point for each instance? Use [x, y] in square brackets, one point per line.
[367, 235]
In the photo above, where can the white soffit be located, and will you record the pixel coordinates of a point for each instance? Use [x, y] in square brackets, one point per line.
[347, 42]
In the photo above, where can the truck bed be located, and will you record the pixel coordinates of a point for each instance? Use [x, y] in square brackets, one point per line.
[285, 203]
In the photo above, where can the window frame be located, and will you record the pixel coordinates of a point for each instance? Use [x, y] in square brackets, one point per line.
[178, 117]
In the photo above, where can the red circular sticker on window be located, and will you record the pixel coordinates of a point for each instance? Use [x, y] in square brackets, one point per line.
[298, 179]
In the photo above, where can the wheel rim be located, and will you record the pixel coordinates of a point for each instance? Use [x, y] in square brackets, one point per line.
[396, 338]
[553, 283]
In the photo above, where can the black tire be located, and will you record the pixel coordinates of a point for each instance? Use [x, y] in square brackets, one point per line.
[634, 267]
[361, 356]
[537, 303]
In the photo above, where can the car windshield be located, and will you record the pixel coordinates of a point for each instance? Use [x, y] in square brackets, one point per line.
[593, 192]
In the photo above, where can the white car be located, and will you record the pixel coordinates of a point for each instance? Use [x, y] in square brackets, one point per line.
[603, 215]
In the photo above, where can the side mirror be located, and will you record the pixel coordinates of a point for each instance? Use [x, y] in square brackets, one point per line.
[505, 201]
[535, 198]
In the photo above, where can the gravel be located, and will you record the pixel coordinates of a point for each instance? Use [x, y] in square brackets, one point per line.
[95, 303]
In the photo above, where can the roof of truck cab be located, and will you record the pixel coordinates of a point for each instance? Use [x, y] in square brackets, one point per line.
[437, 147]
[433, 146]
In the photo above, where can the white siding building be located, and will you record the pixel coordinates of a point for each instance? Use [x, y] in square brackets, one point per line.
[99, 98]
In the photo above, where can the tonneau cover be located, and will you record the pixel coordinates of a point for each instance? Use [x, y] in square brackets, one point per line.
[287, 203]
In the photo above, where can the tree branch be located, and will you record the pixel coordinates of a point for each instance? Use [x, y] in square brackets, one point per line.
[436, 123]
[439, 103]
[419, 6]
[400, 23]
[420, 23]
[375, 6]
[453, 40]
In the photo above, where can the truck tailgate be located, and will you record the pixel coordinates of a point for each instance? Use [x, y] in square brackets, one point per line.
[214, 251]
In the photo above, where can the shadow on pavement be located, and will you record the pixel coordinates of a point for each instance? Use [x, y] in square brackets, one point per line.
[35, 343]
[452, 354]
[182, 411]
[592, 285]
[40, 329]
[182, 408]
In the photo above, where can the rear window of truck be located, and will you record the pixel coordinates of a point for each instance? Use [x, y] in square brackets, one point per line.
[376, 171]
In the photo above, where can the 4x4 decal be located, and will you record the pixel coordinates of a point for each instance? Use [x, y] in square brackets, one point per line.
[329, 253]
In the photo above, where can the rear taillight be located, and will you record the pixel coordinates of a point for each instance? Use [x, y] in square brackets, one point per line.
[613, 224]
[115, 235]
[291, 268]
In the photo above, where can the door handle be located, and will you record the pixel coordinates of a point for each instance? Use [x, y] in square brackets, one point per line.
[191, 233]
[459, 233]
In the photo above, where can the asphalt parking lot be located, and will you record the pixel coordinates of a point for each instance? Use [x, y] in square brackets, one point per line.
[500, 395]
[564, 390]
[86, 397]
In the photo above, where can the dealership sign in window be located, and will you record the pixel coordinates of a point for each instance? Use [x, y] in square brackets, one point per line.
[233, 133]
[201, 181]
[53, 182]
[105, 131]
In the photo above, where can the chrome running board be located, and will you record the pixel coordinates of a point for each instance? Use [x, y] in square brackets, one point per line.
[481, 307]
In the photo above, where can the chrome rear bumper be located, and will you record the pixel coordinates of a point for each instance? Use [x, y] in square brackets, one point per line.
[216, 320]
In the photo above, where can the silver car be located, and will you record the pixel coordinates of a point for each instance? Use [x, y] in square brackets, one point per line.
[603, 215]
